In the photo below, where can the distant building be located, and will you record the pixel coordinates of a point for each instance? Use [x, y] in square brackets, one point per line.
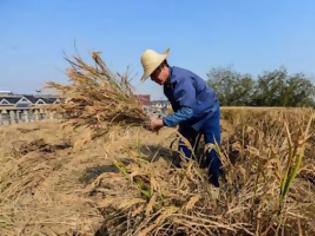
[16, 108]
[144, 99]
[158, 108]
[160, 104]
[9, 99]
[5, 93]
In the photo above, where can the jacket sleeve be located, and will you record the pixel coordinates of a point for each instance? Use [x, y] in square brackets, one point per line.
[175, 118]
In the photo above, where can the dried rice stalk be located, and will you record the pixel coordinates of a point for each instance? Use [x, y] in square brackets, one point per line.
[96, 97]
[180, 201]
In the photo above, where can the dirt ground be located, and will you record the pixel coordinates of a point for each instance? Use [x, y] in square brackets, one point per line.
[52, 178]
[44, 171]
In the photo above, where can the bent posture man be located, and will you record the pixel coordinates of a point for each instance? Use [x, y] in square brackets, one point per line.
[195, 105]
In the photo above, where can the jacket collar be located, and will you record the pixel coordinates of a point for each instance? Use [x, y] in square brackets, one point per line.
[169, 81]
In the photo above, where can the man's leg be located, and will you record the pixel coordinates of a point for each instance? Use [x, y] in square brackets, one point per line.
[190, 135]
[212, 134]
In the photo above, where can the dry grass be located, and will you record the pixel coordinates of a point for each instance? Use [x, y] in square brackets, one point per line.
[123, 183]
[96, 97]
[263, 193]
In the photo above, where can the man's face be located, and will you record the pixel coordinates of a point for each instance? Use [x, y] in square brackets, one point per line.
[160, 74]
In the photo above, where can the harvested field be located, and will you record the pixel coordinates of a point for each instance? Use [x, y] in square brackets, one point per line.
[99, 172]
[58, 181]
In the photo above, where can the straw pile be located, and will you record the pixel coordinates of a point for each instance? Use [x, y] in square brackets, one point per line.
[96, 97]
[125, 184]
[266, 189]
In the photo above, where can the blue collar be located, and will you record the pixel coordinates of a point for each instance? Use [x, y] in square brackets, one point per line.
[169, 79]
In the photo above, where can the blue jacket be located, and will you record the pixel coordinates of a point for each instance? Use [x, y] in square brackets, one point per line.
[184, 89]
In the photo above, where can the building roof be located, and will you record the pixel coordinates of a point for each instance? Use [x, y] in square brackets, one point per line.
[14, 99]
[31, 98]
[10, 99]
[49, 100]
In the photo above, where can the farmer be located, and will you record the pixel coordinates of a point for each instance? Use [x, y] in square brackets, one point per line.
[195, 105]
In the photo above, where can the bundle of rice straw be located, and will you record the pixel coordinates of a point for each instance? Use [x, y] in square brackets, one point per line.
[96, 97]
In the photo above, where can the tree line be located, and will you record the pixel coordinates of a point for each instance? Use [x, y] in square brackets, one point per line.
[270, 88]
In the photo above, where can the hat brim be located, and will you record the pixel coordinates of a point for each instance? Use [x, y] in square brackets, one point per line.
[146, 75]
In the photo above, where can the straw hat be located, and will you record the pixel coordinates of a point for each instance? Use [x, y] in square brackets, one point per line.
[151, 60]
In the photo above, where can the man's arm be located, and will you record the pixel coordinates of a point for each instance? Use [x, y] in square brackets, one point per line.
[183, 114]
[185, 96]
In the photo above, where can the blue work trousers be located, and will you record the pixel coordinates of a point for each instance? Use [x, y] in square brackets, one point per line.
[211, 132]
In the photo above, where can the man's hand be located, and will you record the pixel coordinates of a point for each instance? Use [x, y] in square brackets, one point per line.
[154, 124]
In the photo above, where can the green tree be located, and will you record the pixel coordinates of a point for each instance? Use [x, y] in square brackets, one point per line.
[233, 88]
[299, 91]
[272, 88]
